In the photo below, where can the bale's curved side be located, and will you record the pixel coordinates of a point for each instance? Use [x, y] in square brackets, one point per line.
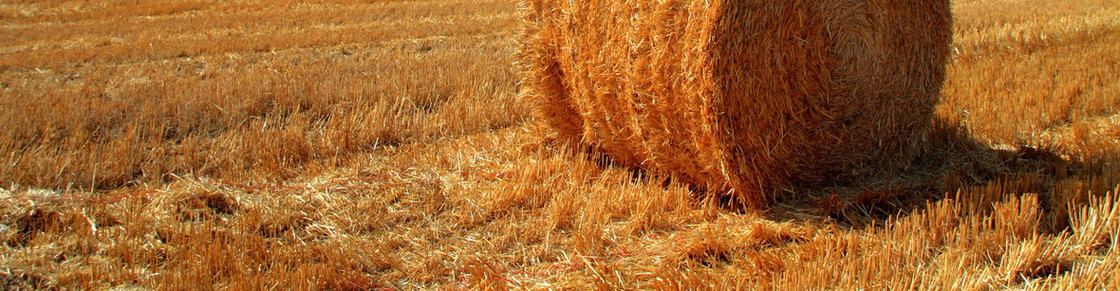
[743, 98]
[542, 82]
[626, 68]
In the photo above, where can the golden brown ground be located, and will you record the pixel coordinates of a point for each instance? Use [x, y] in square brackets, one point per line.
[380, 144]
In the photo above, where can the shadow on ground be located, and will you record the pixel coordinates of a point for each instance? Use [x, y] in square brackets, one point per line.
[959, 167]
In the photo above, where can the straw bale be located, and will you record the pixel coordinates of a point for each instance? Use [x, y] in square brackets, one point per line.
[746, 99]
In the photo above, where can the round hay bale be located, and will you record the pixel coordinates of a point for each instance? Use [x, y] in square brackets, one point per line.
[743, 98]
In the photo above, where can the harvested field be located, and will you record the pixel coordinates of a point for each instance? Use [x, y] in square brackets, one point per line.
[343, 144]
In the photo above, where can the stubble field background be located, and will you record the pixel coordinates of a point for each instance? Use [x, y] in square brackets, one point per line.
[382, 144]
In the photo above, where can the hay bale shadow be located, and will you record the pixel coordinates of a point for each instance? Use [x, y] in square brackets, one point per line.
[954, 164]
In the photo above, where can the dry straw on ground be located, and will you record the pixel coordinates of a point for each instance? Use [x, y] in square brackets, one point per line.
[744, 98]
[380, 144]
